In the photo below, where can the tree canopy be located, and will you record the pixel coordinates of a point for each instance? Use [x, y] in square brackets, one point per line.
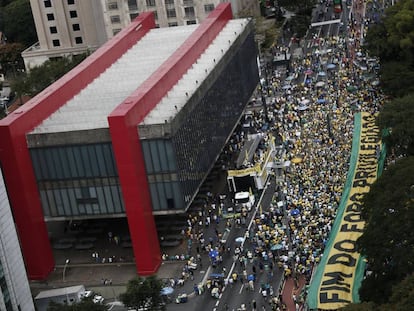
[144, 293]
[10, 57]
[18, 24]
[10, 52]
[392, 40]
[388, 239]
[300, 21]
[397, 117]
[297, 5]
[393, 37]
[397, 78]
[364, 306]
[402, 299]
[42, 76]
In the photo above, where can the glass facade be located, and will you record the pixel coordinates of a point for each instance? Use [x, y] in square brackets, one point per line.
[177, 167]
[77, 180]
[161, 170]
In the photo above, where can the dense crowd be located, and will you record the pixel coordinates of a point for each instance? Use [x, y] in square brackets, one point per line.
[310, 111]
[315, 119]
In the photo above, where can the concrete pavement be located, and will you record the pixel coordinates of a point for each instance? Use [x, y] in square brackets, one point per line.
[94, 275]
[83, 269]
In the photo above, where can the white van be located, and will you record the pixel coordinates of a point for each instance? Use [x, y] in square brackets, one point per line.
[244, 199]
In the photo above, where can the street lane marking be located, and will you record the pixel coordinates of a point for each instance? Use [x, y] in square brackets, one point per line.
[328, 22]
[241, 289]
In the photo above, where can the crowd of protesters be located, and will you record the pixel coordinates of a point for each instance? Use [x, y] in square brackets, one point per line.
[310, 110]
[315, 120]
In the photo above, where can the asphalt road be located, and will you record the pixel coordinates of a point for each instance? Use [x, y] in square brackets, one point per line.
[238, 293]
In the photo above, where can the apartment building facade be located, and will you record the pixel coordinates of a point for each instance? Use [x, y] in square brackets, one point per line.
[70, 27]
[14, 287]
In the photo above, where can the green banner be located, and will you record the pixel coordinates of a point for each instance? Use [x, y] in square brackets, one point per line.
[339, 275]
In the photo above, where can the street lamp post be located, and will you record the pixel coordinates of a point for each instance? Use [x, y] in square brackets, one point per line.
[64, 269]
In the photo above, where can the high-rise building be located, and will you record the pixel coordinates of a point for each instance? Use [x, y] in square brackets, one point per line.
[70, 27]
[131, 132]
[14, 287]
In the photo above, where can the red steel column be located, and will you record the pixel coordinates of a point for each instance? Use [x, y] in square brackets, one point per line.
[123, 124]
[14, 154]
[25, 202]
[135, 190]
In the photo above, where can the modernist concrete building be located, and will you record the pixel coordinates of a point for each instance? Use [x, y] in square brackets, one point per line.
[131, 132]
[14, 287]
[70, 27]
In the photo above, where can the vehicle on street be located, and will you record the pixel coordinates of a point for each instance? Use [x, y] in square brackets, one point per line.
[337, 6]
[88, 293]
[182, 298]
[244, 199]
[98, 299]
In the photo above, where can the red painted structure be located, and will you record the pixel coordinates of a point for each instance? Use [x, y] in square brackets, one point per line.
[16, 162]
[123, 124]
[14, 154]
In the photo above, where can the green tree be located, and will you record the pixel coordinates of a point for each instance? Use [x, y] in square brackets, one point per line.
[300, 24]
[10, 57]
[363, 306]
[18, 88]
[42, 76]
[300, 21]
[10, 52]
[388, 239]
[397, 78]
[399, 23]
[3, 3]
[397, 116]
[143, 293]
[392, 40]
[402, 298]
[375, 44]
[85, 305]
[296, 5]
[18, 23]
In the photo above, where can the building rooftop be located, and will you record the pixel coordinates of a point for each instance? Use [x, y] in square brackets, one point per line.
[177, 97]
[89, 109]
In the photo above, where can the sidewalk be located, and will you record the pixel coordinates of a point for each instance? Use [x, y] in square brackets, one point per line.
[82, 270]
[92, 276]
[290, 293]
